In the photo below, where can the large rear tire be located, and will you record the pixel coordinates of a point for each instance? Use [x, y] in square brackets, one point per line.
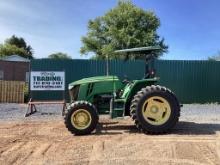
[81, 118]
[155, 109]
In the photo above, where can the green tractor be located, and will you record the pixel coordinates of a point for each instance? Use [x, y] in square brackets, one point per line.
[154, 109]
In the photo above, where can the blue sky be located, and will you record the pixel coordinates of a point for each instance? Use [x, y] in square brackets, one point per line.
[190, 27]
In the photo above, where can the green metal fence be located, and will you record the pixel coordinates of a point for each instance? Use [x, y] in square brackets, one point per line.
[78, 69]
[192, 81]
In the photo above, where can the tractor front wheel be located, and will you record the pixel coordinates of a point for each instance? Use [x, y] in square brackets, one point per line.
[81, 118]
[155, 109]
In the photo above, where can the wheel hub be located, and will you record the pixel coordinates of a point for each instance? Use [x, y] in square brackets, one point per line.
[81, 119]
[156, 110]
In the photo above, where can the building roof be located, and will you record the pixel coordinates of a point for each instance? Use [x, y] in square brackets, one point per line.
[16, 58]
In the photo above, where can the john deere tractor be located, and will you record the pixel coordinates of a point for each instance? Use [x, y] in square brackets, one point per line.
[154, 109]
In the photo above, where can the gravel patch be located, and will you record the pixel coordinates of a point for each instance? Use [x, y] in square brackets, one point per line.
[14, 112]
[199, 113]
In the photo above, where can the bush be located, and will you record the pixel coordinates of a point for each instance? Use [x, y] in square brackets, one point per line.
[26, 93]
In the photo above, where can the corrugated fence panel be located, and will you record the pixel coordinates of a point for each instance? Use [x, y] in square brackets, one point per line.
[192, 81]
[12, 91]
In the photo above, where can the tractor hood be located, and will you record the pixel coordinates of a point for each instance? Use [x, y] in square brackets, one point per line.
[93, 79]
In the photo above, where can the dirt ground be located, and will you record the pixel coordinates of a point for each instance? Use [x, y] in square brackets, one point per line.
[114, 142]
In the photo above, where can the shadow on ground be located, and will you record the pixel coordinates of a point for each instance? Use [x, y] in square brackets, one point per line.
[182, 128]
[192, 128]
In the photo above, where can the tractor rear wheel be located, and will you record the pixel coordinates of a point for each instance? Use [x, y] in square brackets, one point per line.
[81, 118]
[155, 109]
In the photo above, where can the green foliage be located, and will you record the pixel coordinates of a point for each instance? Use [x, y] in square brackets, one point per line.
[7, 50]
[26, 93]
[59, 55]
[16, 45]
[125, 26]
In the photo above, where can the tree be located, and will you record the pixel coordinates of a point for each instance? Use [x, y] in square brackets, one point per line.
[59, 55]
[7, 50]
[16, 45]
[215, 57]
[125, 26]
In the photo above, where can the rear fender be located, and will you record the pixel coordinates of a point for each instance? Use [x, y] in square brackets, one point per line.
[132, 88]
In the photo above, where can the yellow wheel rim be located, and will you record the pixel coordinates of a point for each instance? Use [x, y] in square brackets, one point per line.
[156, 110]
[81, 119]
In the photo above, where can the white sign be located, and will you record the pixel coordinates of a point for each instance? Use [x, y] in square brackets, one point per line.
[47, 80]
